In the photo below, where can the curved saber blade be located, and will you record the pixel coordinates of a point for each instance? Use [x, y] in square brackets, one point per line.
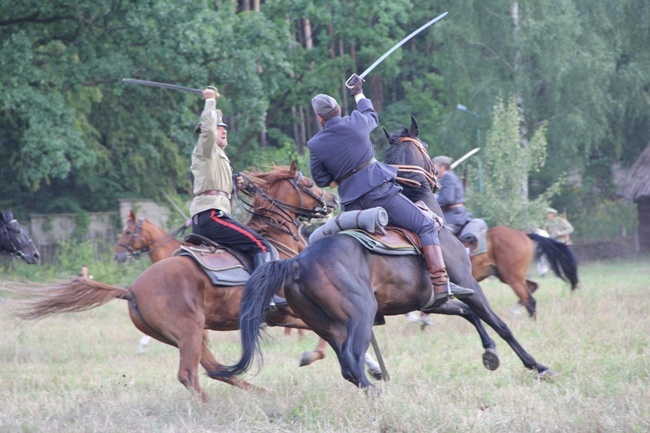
[400, 43]
[162, 85]
[464, 157]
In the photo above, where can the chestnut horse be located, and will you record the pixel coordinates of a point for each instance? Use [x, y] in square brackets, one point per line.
[174, 301]
[15, 241]
[142, 237]
[509, 251]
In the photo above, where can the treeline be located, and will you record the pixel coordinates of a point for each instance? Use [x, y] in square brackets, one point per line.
[74, 137]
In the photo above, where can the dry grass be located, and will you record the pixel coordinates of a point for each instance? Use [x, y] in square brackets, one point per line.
[81, 373]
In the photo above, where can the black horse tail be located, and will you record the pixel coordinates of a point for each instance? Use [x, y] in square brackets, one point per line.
[258, 292]
[560, 257]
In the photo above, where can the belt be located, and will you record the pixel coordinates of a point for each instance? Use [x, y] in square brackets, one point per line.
[355, 170]
[216, 192]
[452, 206]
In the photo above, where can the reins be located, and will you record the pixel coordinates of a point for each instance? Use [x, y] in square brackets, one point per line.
[280, 215]
[429, 174]
[136, 254]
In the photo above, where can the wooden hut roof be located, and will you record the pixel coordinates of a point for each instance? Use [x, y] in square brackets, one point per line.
[637, 184]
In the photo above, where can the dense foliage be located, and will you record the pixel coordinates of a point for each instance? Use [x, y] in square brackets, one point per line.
[74, 137]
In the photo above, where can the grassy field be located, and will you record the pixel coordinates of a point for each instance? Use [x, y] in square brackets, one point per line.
[81, 372]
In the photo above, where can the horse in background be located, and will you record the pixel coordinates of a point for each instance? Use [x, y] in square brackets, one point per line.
[509, 251]
[174, 300]
[15, 241]
[142, 237]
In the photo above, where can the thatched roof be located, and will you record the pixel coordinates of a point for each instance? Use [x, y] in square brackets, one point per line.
[637, 184]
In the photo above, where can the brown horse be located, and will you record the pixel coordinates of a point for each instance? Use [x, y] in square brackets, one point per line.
[15, 241]
[340, 289]
[142, 237]
[174, 301]
[509, 255]
[510, 251]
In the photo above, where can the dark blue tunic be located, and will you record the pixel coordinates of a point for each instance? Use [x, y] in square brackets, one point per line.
[452, 201]
[342, 146]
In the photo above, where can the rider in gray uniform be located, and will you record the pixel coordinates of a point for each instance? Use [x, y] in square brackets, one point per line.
[342, 155]
[452, 195]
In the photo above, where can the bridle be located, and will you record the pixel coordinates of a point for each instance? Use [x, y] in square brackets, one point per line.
[429, 173]
[282, 216]
[137, 234]
[15, 248]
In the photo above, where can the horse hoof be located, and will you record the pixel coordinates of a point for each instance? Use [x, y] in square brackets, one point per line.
[375, 374]
[490, 359]
[305, 359]
[547, 374]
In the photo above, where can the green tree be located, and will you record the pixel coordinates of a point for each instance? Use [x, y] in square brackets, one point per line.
[503, 197]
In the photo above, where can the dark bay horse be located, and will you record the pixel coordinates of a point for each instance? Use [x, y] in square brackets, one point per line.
[339, 288]
[510, 252]
[15, 241]
[173, 300]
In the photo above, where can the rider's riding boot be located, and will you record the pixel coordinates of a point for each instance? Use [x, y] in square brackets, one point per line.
[258, 260]
[443, 289]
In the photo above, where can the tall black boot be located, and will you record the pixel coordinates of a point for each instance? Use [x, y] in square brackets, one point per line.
[443, 289]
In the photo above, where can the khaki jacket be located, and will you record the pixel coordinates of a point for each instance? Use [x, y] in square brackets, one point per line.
[560, 229]
[210, 166]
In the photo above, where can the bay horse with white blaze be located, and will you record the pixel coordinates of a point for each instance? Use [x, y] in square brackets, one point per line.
[173, 300]
[510, 252]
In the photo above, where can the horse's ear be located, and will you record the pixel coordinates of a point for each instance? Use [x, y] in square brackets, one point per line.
[294, 166]
[414, 131]
[132, 215]
[387, 135]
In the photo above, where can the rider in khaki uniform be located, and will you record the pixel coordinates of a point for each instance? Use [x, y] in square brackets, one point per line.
[558, 228]
[213, 188]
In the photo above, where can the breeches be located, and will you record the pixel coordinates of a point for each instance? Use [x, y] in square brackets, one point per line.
[401, 211]
[219, 227]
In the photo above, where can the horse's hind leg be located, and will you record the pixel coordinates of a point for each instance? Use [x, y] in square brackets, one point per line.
[210, 363]
[526, 299]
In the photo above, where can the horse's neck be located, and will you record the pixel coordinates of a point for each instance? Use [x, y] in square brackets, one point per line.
[161, 244]
[286, 237]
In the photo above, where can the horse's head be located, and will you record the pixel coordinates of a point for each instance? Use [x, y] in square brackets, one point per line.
[287, 191]
[15, 240]
[409, 154]
[132, 243]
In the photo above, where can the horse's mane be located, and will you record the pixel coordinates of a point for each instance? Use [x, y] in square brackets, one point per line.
[265, 180]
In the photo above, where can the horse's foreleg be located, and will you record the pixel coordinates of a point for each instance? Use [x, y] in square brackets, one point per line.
[457, 308]
[190, 354]
[481, 307]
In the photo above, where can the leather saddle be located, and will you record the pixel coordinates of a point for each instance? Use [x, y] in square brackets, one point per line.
[224, 266]
[396, 242]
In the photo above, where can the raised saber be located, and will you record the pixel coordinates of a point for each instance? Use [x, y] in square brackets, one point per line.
[399, 44]
[463, 158]
[164, 86]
